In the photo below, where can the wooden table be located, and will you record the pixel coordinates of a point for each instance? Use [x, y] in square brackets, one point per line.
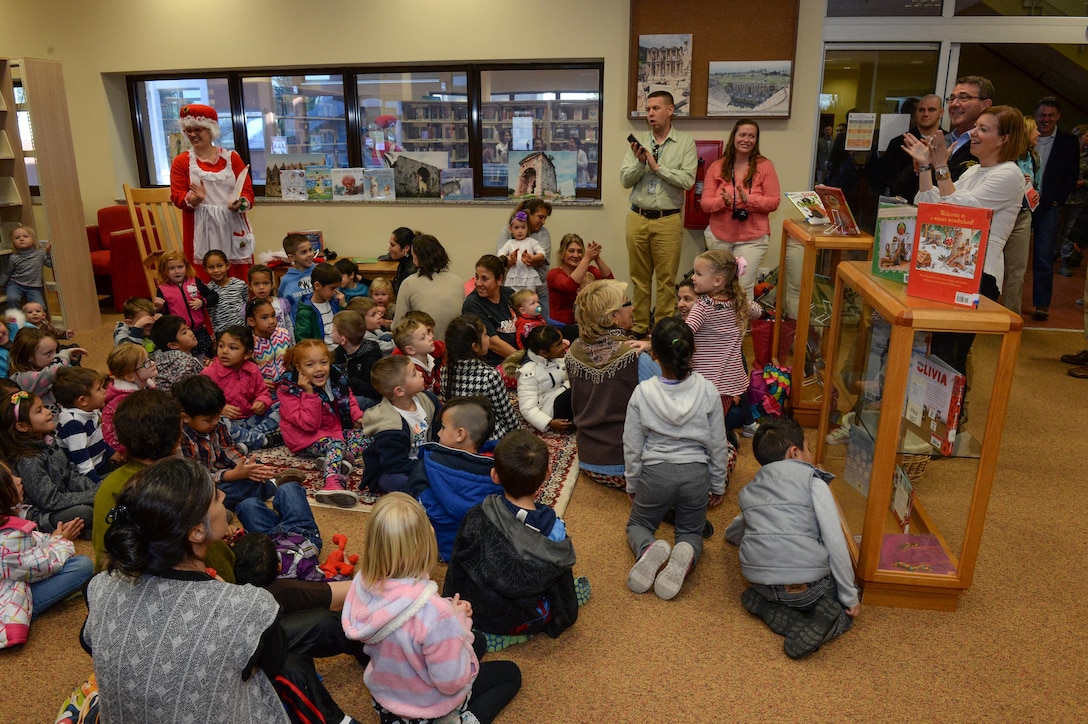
[807, 411]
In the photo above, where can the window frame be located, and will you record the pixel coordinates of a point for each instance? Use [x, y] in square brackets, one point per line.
[350, 73]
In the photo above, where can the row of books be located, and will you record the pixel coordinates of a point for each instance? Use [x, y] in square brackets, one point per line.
[322, 183]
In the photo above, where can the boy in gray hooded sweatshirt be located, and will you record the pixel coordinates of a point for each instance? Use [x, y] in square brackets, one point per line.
[675, 455]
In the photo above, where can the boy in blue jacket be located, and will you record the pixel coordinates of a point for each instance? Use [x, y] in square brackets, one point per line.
[296, 282]
[398, 425]
[454, 474]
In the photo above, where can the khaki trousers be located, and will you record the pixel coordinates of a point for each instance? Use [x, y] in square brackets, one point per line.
[653, 248]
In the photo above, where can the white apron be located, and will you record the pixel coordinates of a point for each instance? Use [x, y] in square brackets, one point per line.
[215, 226]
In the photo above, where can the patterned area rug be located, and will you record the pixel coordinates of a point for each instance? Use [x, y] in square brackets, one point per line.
[556, 491]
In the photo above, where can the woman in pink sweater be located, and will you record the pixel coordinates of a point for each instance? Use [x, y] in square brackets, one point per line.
[740, 191]
[422, 663]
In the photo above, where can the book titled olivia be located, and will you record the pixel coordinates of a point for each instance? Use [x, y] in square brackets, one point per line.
[934, 400]
[948, 253]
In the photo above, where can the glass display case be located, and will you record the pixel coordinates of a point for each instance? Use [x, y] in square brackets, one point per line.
[913, 469]
[807, 260]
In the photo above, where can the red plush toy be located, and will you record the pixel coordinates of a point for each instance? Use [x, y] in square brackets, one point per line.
[337, 564]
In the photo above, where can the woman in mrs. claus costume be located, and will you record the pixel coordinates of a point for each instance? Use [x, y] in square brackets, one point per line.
[202, 182]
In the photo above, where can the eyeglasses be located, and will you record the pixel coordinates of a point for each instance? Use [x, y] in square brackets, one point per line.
[628, 303]
[147, 364]
[963, 98]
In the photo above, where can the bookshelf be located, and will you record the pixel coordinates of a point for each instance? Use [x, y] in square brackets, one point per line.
[436, 126]
[555, 122]
[71, 293]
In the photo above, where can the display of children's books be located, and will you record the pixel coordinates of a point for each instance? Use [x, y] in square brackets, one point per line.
[292, 185]
[347, 184]
[948, 253]
[380, 185]
[838, 211]
[934, 399]
[902, 499]
[860, 450]
[278, 162]
[810, 206]
[914, 553]
[893, 239]
[456, 184]
[318, 183]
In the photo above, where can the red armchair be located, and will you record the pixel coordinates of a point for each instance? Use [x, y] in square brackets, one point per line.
[114, 256]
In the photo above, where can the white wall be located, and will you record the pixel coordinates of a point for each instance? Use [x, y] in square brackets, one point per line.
[98, 42]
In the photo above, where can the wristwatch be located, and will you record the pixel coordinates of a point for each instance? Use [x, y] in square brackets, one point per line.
[942, 173]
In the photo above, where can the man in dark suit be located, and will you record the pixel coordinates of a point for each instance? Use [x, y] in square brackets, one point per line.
[1059, 156]
[896, 167]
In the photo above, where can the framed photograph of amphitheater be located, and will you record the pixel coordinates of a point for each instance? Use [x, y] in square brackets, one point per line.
[753, 88]
[685, 52]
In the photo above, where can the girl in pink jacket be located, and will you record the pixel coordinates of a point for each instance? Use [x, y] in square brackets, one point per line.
[249, 401]
[422, 663]
[320, 418]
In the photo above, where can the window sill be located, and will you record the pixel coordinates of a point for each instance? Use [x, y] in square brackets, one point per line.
[494, 201]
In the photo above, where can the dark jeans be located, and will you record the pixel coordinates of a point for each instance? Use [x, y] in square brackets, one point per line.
[238, 490]
[953, 347]
[316, 633]
[1044, 227]
[290, 513]
[494, 688]
[562, 409]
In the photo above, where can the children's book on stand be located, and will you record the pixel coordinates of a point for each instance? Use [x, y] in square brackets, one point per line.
[841, 219]
[380, 184]
[456, 184]
[948, 253]
[280, 162]
[293, 185]
[318, 183]
[934, 401]
[894, 238]
[810, 206]
[902, 499]
[347, 184]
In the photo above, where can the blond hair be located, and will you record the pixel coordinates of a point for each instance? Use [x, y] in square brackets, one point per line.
[382, 283]
[125, 359]
[399, 541]
[403, 332]
[520, 297]
[595, 305]
[388, 373]
[169, 256]
[28, 229]
[362, 305]
[723, 262]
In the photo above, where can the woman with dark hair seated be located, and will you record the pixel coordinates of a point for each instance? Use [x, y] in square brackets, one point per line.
[433, 288]
[190, 642]
[400, 251]
[490, 301]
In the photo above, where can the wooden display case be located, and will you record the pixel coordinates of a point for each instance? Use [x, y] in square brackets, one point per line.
[814, 251]
[929, 561]
[71, 293]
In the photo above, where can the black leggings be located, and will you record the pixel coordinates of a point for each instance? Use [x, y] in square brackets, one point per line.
[495, 686]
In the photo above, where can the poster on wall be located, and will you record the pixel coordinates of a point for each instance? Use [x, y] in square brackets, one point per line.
[860, 129]
[759, 88]
[547, 175]
[664, 64]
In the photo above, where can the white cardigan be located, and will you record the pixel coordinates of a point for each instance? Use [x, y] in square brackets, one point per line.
[540, 381]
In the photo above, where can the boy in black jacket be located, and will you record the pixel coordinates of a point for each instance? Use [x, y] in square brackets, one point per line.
[356, 355]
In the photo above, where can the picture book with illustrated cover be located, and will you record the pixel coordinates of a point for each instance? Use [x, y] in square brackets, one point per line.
[948, 253]
[934, 400]
[380, 184]
[914, 554]
[893, 240]
[838, 211]
[347, 184]
[902, 499]
[810, 206]
[318, 183]
[456, 184]
[293, 185]
[278, 162]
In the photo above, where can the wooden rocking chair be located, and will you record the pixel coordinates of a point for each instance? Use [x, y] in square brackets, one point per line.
[157, 225]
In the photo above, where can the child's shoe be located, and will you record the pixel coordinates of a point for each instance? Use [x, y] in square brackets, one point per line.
[816, 628]
[334, 494]
[582, 589]
[290, 475]
[643, 573]
[749, 430]
[841, 436]
[273, 439]
[668, 582]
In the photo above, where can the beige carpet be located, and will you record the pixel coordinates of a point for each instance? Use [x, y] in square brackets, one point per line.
[1014, 651]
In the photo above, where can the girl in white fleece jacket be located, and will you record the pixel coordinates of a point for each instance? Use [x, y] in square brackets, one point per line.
[675, 456]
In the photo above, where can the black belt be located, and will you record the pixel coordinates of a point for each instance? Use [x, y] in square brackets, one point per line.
[654, 213]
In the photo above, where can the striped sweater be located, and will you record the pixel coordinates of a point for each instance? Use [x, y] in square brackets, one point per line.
[268, 353]
[79, 433]
[232, 304]
[425, 667]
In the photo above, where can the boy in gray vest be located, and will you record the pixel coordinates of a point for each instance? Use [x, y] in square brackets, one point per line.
[792, 549]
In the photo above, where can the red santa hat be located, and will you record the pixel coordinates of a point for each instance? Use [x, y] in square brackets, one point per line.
[199, 115]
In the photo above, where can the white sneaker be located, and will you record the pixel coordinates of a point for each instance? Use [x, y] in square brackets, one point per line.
[642, 574]
[749, 430]
[672, 576]
[842, 435]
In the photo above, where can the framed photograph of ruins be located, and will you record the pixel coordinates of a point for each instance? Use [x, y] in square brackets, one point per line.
[753, 88]
[720, 32]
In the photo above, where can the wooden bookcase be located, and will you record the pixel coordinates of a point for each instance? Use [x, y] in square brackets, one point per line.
[873, 332]
[436, 126]
[71, 293]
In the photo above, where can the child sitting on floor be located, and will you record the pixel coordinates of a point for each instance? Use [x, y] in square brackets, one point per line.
[35, 361]
[81, 395]
[415, 340]
[352, 283]
[249, 401]
[513, 558]
[543, 388]
[174, 344]
[56, 493]
[451, 475]
[402, 422]
[260, 286]
[356, 354]
[180, 292]
[372, 314]
[319, 417]
[270, 341]
[291, 527]
[383, 294]
[139, 315]
[206, 438]
[131, 369]
[792, 549]
[467, 373]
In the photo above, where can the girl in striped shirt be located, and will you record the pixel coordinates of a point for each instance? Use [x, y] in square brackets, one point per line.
[233, 293]
[719, 319]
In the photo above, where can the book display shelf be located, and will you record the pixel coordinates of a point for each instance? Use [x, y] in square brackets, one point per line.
[913, 513]
[807, 261]
[70, 290]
